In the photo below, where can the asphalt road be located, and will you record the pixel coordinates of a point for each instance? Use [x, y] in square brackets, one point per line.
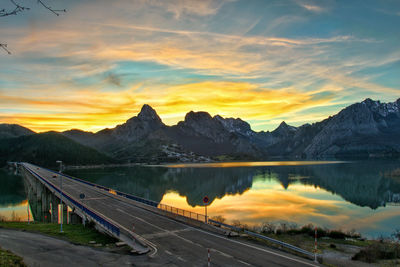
[42, 251]
[173, 243]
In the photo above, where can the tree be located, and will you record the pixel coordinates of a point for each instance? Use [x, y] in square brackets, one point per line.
[17, 9]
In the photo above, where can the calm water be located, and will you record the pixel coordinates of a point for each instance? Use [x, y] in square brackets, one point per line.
[345, 195]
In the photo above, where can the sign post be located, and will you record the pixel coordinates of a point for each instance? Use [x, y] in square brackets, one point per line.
[28, 213]
[315, 244]
[61, 214]
[205, 201]
[209, 258]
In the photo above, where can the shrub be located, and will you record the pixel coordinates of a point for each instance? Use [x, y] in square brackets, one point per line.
[307, 229]
[337, 234]
[219, 218]
[268, 228]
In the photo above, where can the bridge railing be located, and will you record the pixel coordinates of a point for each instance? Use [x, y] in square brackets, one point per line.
[167, 208]
[116, 192]
[182, 212]
[106, 224]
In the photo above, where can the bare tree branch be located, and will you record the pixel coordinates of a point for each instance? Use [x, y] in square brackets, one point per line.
[15, 11]
[18, 8]
[55, 11]
[4, 46]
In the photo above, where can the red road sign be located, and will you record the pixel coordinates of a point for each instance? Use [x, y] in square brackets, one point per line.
[206, 199]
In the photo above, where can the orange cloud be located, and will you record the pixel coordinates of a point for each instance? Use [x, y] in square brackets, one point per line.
[95, 110]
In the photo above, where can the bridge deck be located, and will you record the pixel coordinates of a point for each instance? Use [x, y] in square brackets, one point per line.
[173, 243]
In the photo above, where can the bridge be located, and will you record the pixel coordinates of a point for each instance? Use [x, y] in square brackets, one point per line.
[163, 234]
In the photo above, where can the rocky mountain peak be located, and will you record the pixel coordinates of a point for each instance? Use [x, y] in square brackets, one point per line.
[283, 125]
[148, 113]
[197, 116]
[284, 130]
[235, 125]
[146, 122]
[383, 109]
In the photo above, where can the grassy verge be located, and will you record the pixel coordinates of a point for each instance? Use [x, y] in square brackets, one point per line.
[74, 233]
[303, 237]
[386, 252]
[379, 251]
[7, 258]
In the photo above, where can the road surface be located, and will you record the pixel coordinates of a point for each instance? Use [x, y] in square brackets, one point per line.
[173, 243]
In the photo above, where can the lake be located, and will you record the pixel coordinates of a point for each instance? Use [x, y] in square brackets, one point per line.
[362, 195]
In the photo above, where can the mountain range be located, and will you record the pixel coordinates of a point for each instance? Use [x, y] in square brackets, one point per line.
[362, 130]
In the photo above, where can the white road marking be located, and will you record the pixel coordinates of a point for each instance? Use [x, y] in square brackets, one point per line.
[230, 240]
[217, 236]
[94, 198]
[222, 253]
[245, 263]
[180, 258]
[169, 253]
[120, 226]
[170, 232]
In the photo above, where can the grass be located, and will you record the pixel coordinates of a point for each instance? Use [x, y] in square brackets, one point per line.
[386, 252]
[74, 233]
[379, 251]
[303, 237]
[7, 258]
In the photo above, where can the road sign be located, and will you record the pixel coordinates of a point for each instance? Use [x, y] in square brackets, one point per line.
[206, 199]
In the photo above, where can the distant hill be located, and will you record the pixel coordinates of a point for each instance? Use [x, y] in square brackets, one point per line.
[46, 148]
[13, 130]
[362, 130]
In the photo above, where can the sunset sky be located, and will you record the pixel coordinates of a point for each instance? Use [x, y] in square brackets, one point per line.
[263, 61]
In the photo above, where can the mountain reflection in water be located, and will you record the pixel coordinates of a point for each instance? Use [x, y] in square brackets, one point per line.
[361, 183]
[337, 195]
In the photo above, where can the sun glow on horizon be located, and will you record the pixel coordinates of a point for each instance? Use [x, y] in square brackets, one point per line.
[294, 62]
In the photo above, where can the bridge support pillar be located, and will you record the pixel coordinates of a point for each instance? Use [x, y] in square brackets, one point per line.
[65, 214]
[74, 218]
[54, 209]
[46, 205]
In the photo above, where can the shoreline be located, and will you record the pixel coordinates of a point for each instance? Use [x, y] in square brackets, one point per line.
[224, 164]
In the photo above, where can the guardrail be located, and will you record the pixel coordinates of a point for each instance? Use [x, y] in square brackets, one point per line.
[237, 229]
[278, 242]
[182, 212]
[108, 225]
[167, 208]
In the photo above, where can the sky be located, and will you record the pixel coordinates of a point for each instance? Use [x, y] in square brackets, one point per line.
[263, 61]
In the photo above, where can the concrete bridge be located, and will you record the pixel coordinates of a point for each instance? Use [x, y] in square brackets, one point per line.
[165, 235]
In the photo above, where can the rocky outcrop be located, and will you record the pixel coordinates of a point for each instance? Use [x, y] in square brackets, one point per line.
[145, 123]
[366, 129]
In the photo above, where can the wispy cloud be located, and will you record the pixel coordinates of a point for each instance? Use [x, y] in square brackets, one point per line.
[228, 54]
[313, 6]
[97, 110]
[189, 7]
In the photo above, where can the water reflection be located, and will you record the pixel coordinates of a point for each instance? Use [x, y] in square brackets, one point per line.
[11, 188]
[13, 202]
[341, 195]
[361, 183]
